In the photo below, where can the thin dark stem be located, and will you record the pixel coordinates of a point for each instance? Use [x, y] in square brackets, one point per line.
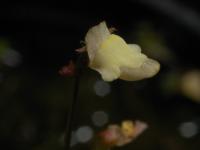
[72, 112]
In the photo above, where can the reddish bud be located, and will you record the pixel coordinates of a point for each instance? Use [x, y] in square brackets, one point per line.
[68, 70]
[81, 50]
[110, 135]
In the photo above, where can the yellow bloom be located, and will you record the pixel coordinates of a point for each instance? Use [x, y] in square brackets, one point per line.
[113, 58]
[128, 128]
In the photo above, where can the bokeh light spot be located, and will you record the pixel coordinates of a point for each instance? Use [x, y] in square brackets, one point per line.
[99, 118]
[102, 88]
[190, 85]
[84, 134]
[11, 58]
[188, 129]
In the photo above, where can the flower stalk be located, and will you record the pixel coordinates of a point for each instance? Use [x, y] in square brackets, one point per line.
[72, 113]
[72, 108]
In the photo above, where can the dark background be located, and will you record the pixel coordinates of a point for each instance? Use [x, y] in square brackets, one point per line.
[34, 98]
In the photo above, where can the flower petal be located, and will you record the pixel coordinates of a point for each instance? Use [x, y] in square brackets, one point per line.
[94, 38]
[113, 58]
[139, 128]
[128, 128]
[148, 69]
[135, 47]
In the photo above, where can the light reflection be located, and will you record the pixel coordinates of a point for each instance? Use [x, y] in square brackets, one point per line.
[84, 134]
[99, 118]
[188, 129]
[102, 88]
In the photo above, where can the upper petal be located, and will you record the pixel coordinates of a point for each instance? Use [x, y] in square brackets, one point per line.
[94, 38]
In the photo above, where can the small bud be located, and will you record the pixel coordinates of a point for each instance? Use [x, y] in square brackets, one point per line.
[112, 30]
[110, 135]
[68, 70]
[81, 50]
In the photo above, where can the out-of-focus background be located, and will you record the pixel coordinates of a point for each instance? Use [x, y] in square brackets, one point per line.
[37, 39]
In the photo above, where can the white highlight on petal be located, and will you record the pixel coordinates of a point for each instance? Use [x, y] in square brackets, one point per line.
[84, 134]
[135, 48]
[99, 118]
[188, 129]
[102, 88]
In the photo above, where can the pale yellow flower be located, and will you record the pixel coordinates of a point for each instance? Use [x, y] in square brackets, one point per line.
[113, 58]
